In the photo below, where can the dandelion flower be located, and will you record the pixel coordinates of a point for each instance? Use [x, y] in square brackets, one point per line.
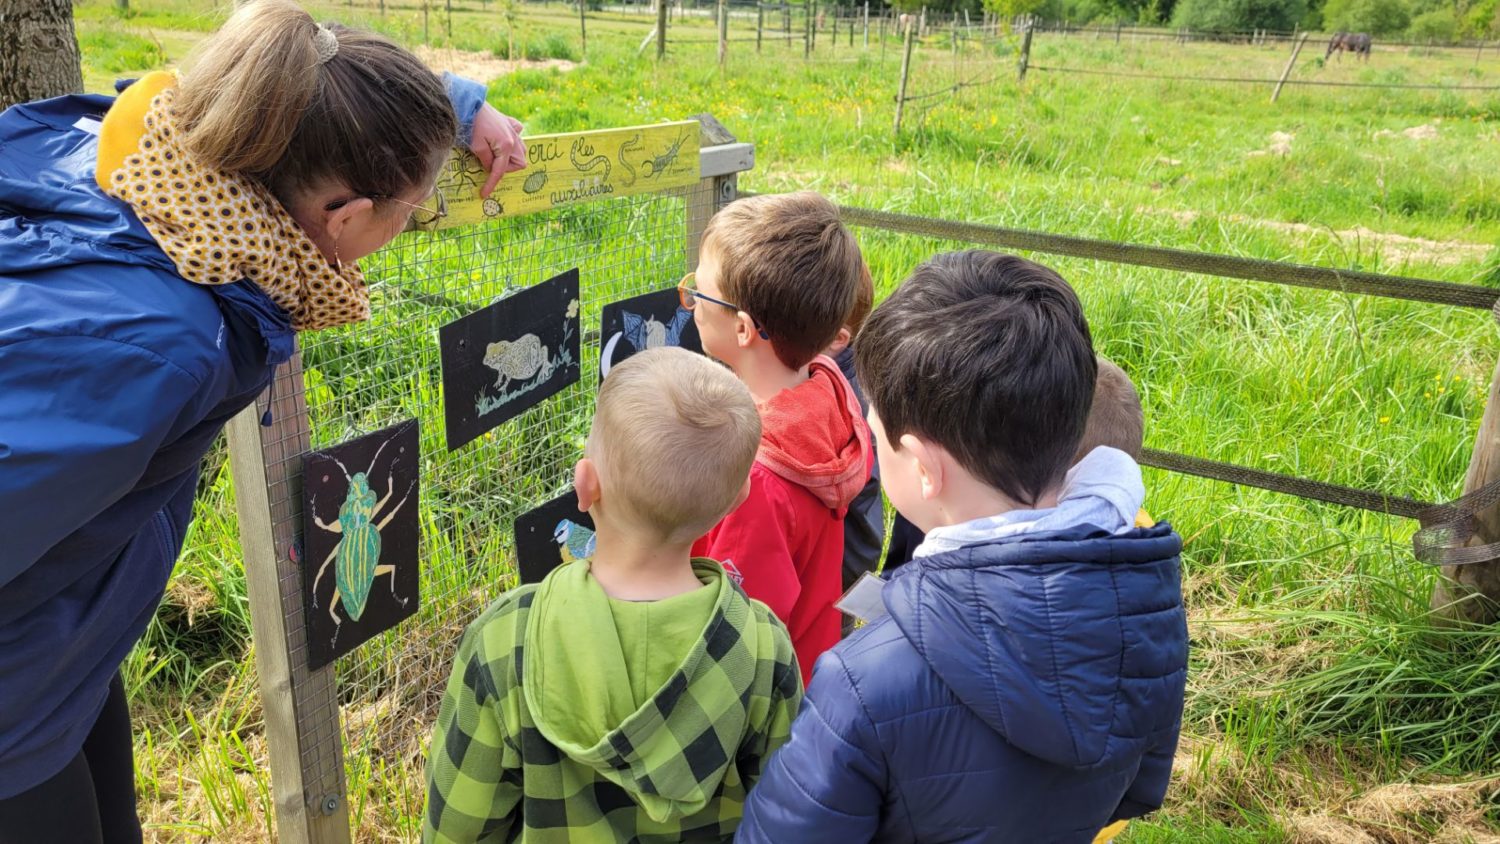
[1385, 420]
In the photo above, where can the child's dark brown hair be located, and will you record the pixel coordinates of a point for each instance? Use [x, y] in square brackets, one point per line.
[789, 262]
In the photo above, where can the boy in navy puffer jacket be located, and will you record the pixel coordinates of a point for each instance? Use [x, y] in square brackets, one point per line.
[1023, 677]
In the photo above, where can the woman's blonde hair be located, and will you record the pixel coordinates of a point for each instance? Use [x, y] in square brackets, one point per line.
[261, 98]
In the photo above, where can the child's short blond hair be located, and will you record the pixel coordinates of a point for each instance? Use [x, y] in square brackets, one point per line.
[791, 264]
[1116, 419]
[674, 436]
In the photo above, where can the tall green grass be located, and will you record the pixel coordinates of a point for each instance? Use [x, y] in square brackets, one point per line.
[1322, 700]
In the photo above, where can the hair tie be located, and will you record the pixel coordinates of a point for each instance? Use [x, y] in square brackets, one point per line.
[326, 43]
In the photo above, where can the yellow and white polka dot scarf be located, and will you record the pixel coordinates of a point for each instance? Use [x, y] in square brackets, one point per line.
[218, 227]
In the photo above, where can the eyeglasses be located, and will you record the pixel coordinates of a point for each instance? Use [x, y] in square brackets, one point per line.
[688, 296]
[421, 215]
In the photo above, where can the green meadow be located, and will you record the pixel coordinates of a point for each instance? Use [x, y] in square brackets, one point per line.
[1323, 705]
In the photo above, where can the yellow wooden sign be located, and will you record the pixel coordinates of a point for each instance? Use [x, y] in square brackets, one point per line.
[571, 168]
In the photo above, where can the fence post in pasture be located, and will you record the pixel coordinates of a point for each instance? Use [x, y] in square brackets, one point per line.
[1118, 26]
[1287, 71]
[661, 29]
[807, 31]
[583, 29]
[301, 706]
[382, 8]
[867, 29]
[911, 32]
[426, 36]
[723, 32]
[850, 27]
[1025, 54]
[922, 22]
[760, 24]
[1472, 592]
[1478, 51]
[448, 19]
[882, 39]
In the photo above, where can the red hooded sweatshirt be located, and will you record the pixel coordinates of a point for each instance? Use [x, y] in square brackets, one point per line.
[785, 544]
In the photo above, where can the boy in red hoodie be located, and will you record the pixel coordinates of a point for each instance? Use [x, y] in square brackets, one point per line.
[776, 280]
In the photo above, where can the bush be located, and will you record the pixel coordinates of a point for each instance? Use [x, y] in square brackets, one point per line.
[1238, 15]
[1377, 17]
[1439, 25]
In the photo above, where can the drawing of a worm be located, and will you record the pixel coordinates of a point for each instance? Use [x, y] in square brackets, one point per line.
[629, 146]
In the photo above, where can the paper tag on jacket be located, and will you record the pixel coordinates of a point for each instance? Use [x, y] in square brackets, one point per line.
[863, 599]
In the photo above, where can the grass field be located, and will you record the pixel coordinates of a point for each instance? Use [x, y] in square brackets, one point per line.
[1323, 705]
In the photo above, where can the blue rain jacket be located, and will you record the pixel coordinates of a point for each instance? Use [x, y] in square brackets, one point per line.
[116, 375]
[1029, 689]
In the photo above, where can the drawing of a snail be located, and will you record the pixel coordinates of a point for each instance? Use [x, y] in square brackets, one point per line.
[516, 360]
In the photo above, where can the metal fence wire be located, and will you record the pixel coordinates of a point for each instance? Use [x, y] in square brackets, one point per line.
[355, 380]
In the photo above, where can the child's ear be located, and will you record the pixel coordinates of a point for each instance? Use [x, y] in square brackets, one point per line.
[840, 343]
[929, 466]
[745, 331]
[586, 484]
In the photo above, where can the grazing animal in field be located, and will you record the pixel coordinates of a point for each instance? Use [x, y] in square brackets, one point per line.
[1357, 43]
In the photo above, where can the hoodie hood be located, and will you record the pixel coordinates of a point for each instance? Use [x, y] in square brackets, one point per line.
[814, 436]
[582, 688]
[1062, 638]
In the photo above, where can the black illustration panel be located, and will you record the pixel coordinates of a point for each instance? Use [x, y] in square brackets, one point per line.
[505, 358]
[645, 322]
[552, 534]
[359, 539]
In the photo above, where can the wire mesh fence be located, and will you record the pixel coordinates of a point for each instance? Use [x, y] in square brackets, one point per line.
[359, 379]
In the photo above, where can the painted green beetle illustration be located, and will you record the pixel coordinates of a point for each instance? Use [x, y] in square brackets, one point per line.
[356, 557]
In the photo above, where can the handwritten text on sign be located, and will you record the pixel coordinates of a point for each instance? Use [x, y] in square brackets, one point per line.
[574, 167]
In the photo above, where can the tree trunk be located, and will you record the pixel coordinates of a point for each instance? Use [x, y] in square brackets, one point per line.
[38, 52]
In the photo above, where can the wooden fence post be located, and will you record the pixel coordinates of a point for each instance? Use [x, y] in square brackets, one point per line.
[583, 30]
[867, 30]
[1025, 59]
[1287, 71]
[723, 32]
[760, 24]
[807, 30]
[1472, 592]
[661, 29]
[448, 15]
[911, 28]
[301, 707]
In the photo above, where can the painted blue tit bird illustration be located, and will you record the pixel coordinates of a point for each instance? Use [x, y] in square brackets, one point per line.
[649, 333]
[575, 541]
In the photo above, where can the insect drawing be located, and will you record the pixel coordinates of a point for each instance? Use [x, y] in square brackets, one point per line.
[658, 164]
[535, 182]
[628, 147]
[574, 541]
[649, 333]
[492, 207]
[516, 360]
[368, 542]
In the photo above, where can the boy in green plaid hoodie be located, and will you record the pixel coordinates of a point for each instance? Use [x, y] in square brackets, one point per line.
[636, 695]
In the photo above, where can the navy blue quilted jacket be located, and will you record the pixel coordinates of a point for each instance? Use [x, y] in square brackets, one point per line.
[1029, 689]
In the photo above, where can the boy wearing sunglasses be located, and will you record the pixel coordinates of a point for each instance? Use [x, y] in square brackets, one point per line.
[777, 278]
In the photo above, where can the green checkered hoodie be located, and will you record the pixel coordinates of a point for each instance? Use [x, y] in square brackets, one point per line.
[512, 761]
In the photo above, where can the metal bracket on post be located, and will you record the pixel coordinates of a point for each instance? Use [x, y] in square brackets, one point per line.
[720, 161]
